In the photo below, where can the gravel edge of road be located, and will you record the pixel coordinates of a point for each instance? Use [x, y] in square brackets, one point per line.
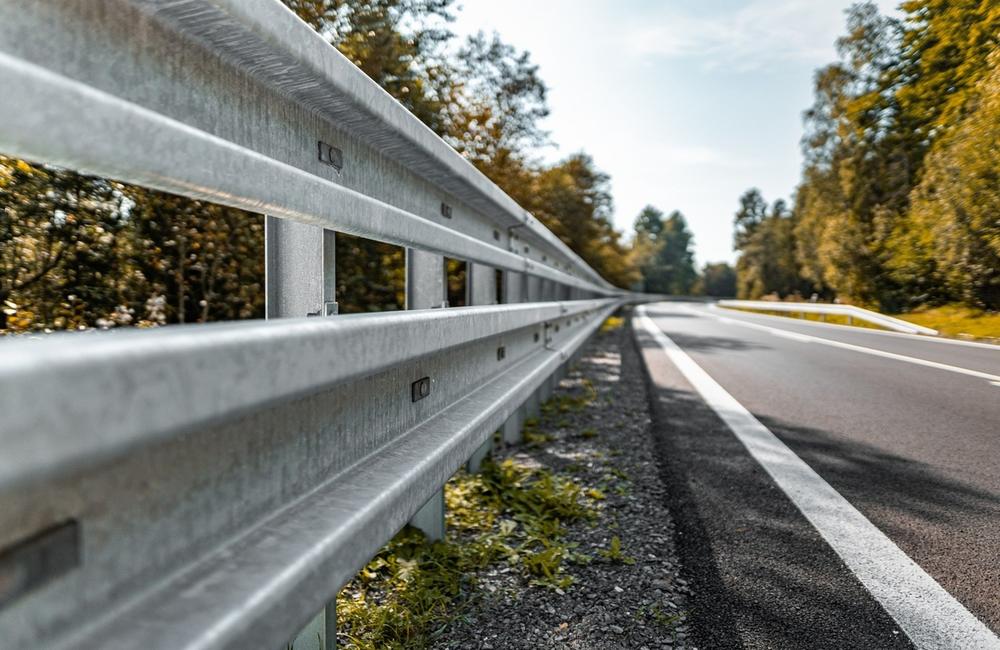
[637, 601]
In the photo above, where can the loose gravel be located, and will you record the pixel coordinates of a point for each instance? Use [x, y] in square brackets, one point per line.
[633, 599]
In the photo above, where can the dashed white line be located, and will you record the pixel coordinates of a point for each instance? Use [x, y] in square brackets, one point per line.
[928, 614]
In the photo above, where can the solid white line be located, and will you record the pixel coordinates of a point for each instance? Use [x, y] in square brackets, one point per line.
[924, 338]
[928, 614]
[808, 338]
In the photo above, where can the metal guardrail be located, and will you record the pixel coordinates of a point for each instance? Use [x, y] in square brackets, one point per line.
[849, 311]
[213, 486]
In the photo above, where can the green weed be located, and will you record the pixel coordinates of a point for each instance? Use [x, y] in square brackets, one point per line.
[511, 513]
[614, 552]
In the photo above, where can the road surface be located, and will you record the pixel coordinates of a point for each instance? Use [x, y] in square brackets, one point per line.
[891, 456]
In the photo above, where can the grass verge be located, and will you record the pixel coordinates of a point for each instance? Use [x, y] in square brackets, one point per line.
[510, 514]
[958, 321]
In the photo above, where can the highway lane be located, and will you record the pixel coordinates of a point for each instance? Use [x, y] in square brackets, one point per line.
[915, 449]
[967, 354]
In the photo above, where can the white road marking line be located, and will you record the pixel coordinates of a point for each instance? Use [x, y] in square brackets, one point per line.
[924, 338]
[808, 338]
[928, 614]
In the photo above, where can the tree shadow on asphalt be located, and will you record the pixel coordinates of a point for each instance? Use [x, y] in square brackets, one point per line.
[876, 478]
[713, 344]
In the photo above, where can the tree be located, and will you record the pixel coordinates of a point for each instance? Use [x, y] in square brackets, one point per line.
[767, 246]
[573, 199]
[60, 247]
[752, 212]
[859, 168]
[718, 280]
[953, 232]
[667, 265]
[205, 261]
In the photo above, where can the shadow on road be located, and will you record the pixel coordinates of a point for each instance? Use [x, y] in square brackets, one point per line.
[946, 526]
[711, 344]
[763, 577]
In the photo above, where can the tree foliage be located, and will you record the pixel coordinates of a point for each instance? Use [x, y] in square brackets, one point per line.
[668, 266]
[718, 281]
[897, 203]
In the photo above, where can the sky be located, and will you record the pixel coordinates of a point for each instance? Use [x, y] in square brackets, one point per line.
[684, 103]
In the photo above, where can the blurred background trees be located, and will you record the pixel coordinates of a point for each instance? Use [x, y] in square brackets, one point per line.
[898, 202]
[664, 248]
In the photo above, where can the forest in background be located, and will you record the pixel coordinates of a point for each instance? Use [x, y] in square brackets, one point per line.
[899, 203]
[78, 252]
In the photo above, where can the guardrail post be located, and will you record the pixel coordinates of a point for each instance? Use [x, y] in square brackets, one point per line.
[426, 288]
[299, 269]
[513, 291]
[300, 280]
[534, 287]
[482, 288]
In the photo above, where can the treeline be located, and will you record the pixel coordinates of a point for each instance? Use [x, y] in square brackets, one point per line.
[663, 249]
[899, 202]
[81, 252]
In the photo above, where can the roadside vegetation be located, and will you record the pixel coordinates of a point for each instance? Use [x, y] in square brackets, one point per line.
[511, 514]
[958, 321]
[954, 321]
[897, 206]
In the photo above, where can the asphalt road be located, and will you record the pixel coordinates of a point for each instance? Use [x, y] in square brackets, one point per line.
[891, 422]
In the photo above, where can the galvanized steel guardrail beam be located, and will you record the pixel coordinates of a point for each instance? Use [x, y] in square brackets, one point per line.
[213, 486]
[849, 311]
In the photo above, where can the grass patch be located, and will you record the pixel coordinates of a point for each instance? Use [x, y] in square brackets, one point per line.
[571, 403]
[510, 514]
[957, 321]
[612, 323]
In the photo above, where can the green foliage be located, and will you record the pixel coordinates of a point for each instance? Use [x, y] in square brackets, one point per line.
[510, 513]
[81, 252]
[898, 200]
[667, 262]
[718, 280]
[371, 275]
[952, 231]
[766, 241]
[613, 553]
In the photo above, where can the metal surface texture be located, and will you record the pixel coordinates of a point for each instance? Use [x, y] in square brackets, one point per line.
[240, 531]
[130, 388]
[213, 486]
[873, 317]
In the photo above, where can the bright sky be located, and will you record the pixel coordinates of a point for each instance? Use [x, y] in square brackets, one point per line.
[685, 103]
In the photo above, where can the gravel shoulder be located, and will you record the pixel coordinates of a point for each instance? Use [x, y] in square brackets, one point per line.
[629, 593]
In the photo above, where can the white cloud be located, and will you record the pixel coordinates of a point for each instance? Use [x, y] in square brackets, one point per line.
[761, 32]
